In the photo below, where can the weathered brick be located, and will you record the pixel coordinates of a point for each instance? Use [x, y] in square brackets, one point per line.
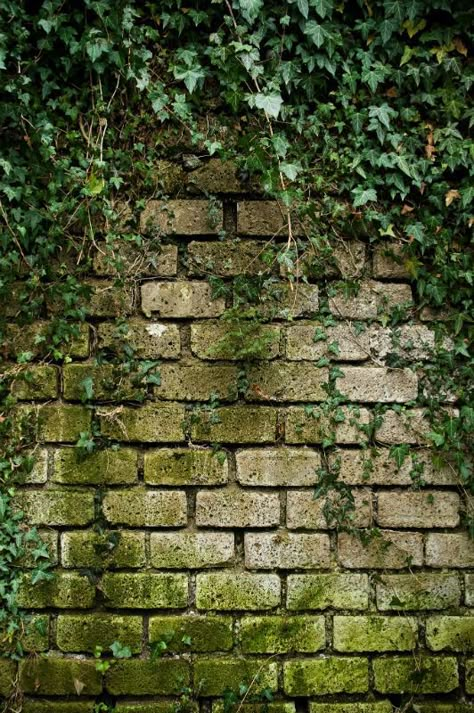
[378, 467]
[372, 300]
[216, 340]
[280, 381]
[107, 300]
[37, 381]
[449, 550]
[235, 424]
[277, 466]
[126, 258]
[38, 475]
[319, 677]
[51, 675]
[454, 633]
[410, 341]
[156, 706]
[405, 427]
[36, 637]
[185, 466]
[346, 259]
[112, 549]
[215, 676]
[76, 633]
[57, 507]
[389, 261]
[34, 338]
[244, 591]
[421, 675]
[341, 343]
[379, 707]
[315, 426]
[43, 705]
[275, 707]
[226, 259]
[68, 590]
[303, 510]
[190, 550]
[192, 632]
[287, 301]
[145, 590]
[470, 676]
[107, 381]
[261, 218]
[469, 587]
[148, 340]
[426, 509]
[140, 677]
[390, 550]
[138, 507]
[197, 382]
[8, 671]
[282, 634]
[403, 592]
[183, 217]
[217, 176]
[374, 633]
[47, 537]
[286, 550]
[378, 385]
[62, 423]
[180, 299]
[232, 507]
[323, 591]
[109, 466]
[151, 423]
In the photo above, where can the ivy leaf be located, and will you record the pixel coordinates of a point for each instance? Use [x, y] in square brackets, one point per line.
[361, 197]
[250, 8]
[87, 385]
[316, 32]
[382, 114]
[190, 76]
[119, 651]
[95, 185]
[303, 8]
[270, 103]
[290, 170]
[387, 28]
[322, 7]
[395, 8]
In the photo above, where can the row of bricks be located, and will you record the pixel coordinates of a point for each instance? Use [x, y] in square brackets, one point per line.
[246, 591]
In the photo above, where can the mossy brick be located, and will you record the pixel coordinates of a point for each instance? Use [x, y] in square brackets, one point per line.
[143, 677]
[217, 176]
[378, 707]
[274, 467]
[214, 676]
[410, 426]
[315, 426]
[374, 633]
[424, 674]
[323, 591]
[216, 340]
[47, 537]
[385, 471]
[57, 423]
[110, 549]
[348, 260]
[470, 676]
[322, 676]
[433, 707]
[78, 633]
[36, 633]
[108, 300]
[38, 382]
[108, 383]
[449, 550]
[42, 705]
[239, 257]
[8, 671]
[286, 381]
[469, 590]
[413, 342]
[301, 343]
[218, 706]
[197, 382]
[282, 634]
[288, 301]
[68, 590]
[235, 424]
[184, 466]
[389, 262]
[144, 590]
[374, 299]
[425, 509]
[368, 384]
[151, 423]
[167, 706]
[57, 507]
[138, 507]
[38, 475]
[286, 550]
[236, 507]
[105, 467]
[391, 549]
[180, 300]
[452, 633]
[181, 217]
[51, 675]
[228, 591]
[191, 550]
[132, 260]
[192, 633]
[34, 338]
[303, 510]
[148, 340]
[405, 592]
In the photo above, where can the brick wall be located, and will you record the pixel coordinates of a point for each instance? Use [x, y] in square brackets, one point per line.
[201, 530]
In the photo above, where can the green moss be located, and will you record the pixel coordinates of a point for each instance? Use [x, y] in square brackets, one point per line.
[36, 636]
[184, 466]
[192, 633]
[108, 383]
[455, 633]
[151, 423]
[278, 634]
[379, 707]
[7, 676]
[470, 676]
[47, 675]
[320, 591]
[110, 549]
[275, 707]
[236, 424]
[137, 676]
[145, 591]
[62, 423]
[326, 675]
[156, 707]
[42, 706]
[108, 466]
[213, 676]
[375, 633]
[423, 675]
[234, 591]
[67, 590]
[57, 507]
[37, 382]
[78, 633]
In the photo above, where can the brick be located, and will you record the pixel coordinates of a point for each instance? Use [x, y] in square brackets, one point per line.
[34, 338]
[145, 590]
[403, 592]
[282, 634]
[139, 676]
[454, 633]
[112, 549]
[181, 217]
[51, 675]
[469, 582]
[235, 424]
[62, 423]
[229, 258]
[275, 707]
[57, 507]
[215, 676]
[379, 707]
[426, 509]
[47, 537]
[390, 550]
[304, 510]
[342, 343]
[190, 550]
[38, 475]
[68, 590]
[276, 467]
[36, 381]
[36, 635]
[244, 591]
[8, 671]
[261, 218]
[319, 677]
[405, 427]
[122, 258]
[232, 507]
[197, 382]
[449, 550]
[218, 176]
[138, 507]
[107, 300]
[42, 705]
[346, 259]
[184, 466]
[284, 550]
[423, 675]
[373, 300]
[192, 632]
[315, 426]
[378, 385]
[166, 706]
[151, 423]
[470, 676]
[432, 707]
[280, 381]
[109, 383]
[219, 340]
[323, 591]
[180, 299]
[287, 301]
[378, 467]
[410, 341]
[148, 340]
[389, 261]
[106, 467]
[76, 633]
[374, 633]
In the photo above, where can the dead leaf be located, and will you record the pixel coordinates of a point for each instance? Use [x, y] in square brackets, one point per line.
[79, 686]
[257, 390]
[407, 209]
[460, 46]
[450, 196]
[391, 92]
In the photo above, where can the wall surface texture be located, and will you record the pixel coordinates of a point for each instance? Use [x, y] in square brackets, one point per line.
[193, 527]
